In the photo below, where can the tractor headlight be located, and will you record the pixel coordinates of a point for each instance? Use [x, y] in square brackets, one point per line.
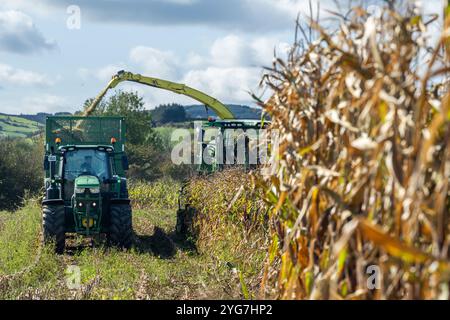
[94, 190]
[91, 190]
[79, 190]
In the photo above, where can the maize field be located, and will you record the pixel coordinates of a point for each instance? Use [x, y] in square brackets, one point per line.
[363, 182]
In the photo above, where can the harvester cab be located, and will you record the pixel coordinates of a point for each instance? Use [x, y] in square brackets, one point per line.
[223, 143]
[85, 185]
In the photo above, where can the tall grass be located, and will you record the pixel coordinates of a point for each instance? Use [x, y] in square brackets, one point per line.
[230, 224]
[363, 184]
[162, 194]
[160, 266]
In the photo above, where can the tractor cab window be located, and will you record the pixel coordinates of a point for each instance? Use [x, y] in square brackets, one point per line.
[87, 162]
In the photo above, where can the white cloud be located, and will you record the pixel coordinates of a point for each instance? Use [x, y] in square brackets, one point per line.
[245, 15]
[43, 103]
[106, 73]
[226, 84]
[37, 5]
[194, 60]
[18, 34]
[233, 67]
[162, 64]
[14, 76]
[148, 61]
[35, 103]
[236, 51]
[103, 74]
[229, 71]
[230, 51]
[263, 50]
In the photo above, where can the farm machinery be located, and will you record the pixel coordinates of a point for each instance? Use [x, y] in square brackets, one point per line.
[226, 126]
[85, 164]
[210, 154]
[85, 184]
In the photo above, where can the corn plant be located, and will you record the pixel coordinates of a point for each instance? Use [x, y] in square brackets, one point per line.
[360, 202]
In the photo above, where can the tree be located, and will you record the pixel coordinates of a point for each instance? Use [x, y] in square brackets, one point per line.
[20, 170]
[130, 106]
[166, 113]
[145, 148]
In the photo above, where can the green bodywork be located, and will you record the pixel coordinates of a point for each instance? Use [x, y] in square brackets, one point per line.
[223, 126]
[86, 195]
[87, 204]
[87, 182]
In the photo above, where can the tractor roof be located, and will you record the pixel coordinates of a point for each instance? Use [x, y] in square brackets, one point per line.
[236, 123]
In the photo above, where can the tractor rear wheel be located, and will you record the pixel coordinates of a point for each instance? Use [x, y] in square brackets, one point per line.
[53, 225]
[121, 229]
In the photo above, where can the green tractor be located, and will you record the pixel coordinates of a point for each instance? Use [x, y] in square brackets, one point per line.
[234, 143]
[238, 139]
[85, 185]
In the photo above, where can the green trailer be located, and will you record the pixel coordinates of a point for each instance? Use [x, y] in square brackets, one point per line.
[85, 184]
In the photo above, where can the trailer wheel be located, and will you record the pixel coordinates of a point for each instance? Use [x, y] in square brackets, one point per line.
[121, 230]
[185, 226]
[53, 225]
[181, 227]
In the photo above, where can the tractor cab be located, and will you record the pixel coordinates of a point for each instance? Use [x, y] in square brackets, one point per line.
[88, 178]
[83, 161]
[228, 143]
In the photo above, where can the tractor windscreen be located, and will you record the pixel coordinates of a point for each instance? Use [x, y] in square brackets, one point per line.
[87, 162]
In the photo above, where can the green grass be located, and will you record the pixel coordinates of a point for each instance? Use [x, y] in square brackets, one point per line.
[160, 266]
[159, 194]
[165, 132]
[17, 127]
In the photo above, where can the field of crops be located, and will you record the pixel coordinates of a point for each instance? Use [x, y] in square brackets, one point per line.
[358, 206]
[17, 127]
[161, 265]
[360, 202]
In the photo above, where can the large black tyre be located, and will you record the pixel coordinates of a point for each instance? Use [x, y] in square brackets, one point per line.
[121, 229]
[184, 226]
[123, 188]
[53, 225]
[180, 227]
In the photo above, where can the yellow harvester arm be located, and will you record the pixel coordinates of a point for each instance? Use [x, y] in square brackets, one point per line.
[221, 110]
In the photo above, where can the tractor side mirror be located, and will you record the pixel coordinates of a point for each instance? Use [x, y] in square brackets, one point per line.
[46, 163]
[125, 164]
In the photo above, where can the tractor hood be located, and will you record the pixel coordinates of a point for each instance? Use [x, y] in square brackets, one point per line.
[87, 182]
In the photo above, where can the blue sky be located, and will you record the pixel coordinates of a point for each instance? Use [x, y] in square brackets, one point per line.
[218, 46]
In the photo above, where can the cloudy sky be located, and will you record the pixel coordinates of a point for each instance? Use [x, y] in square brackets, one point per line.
[50, 61]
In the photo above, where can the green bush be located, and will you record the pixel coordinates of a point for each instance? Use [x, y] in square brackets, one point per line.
[21, 170]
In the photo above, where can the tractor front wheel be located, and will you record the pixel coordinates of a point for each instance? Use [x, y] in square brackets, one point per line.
[53, 225]
[121, 230]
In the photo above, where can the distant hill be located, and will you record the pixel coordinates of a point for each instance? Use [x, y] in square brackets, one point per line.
[240, 111]
[40, 116]
[25, 125]
[18, 127]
